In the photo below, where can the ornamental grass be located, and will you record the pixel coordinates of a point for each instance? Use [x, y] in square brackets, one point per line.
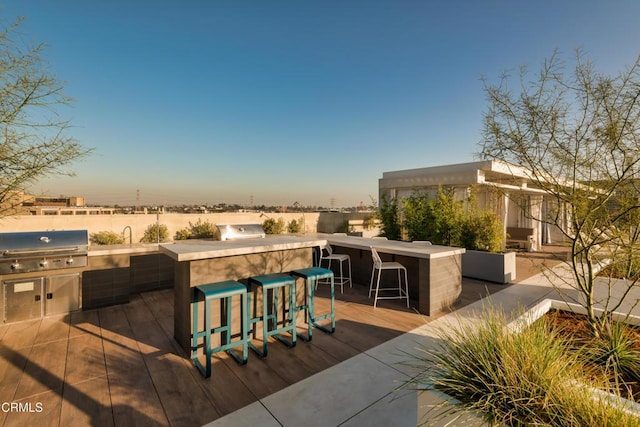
[526, 378]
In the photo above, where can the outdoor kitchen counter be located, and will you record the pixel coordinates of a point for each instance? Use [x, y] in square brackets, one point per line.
[198, 262]
[435, 272]
[393, 246]
[435, 276]
[137, 248]
[192, 250]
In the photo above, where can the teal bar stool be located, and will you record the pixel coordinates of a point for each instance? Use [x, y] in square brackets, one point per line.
[223, 292]
[274, 283]
[311, 276]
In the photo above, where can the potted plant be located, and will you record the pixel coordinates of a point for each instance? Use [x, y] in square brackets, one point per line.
[482, 236]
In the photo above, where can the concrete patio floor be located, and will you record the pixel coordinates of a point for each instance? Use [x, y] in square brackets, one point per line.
[365, 390]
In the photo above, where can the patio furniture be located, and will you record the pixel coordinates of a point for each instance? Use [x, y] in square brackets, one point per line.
[223, 292]
[519, 237]
[379, 266]
[273, 284]
[341, 259]
[311, 275]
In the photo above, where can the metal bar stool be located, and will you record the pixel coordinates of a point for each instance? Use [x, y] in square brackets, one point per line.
[269, 318]
[223, 292]
[380, 266]
[341, 259]
[311, 275]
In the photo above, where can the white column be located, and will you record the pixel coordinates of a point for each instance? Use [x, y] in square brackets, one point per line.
[505, 216]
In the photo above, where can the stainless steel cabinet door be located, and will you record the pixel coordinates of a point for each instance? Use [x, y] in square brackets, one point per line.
[62, 294]
[22, 299]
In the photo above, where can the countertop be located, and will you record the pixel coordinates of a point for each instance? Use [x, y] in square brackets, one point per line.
[136, 248]
[396, 247]
[191, 250]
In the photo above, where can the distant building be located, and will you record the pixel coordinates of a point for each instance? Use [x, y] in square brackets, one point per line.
[517, 202]
[19, 203]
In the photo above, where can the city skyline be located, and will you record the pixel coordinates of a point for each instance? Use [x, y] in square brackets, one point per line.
[288, 102]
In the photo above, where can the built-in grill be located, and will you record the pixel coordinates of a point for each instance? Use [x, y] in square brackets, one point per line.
[240, 231]
[29, 251]
[57, 255]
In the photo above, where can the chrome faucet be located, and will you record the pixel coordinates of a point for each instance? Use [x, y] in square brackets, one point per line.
[130, 238]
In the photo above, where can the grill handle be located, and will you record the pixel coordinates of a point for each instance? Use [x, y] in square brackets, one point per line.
[9, 253]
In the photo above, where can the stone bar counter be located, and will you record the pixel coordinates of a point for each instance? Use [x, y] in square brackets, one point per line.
[435, 272]
[199, 262]
[435, 276]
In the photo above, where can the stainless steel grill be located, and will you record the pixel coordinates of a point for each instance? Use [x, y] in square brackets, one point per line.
[240, 231]
[24, 252]
[30, 296]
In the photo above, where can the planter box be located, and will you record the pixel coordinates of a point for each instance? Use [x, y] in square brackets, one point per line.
[546, 305]
[493, 267]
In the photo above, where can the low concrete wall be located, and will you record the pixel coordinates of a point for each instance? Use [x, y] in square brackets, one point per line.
[140, 222]
[315, 222]
[322, 222]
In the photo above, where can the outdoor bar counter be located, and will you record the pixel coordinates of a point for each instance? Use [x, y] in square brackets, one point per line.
[435, 272]
[435, 278]
[199, 262]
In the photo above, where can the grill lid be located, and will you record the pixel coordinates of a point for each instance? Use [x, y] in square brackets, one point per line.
[36, 242]
[240, 231]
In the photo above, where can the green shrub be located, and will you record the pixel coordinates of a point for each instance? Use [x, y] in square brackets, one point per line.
[202, 230]
[295, 226]
[199, 230]
[182, 234]
[272, 226]
[390, 218]
[106, 238]
[155, 233]
[482, 231]
[370, 221]
[514, 378]
[418, 217]
[448, 214]
[615, 352]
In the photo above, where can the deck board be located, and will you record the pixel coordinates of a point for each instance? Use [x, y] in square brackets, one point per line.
[44, 371]
[121, 366]
[87, 403]
[49, 417]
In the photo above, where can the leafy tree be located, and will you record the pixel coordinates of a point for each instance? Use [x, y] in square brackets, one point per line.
[576, 133]
[448, 215]
[418, 216]
[33, 141]
[389, 215]
[155, 233]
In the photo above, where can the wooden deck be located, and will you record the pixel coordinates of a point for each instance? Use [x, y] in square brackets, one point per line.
[121, 366]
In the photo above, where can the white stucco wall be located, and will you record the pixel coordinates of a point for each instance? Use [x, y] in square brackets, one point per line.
[323, 222]
[140, 222]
